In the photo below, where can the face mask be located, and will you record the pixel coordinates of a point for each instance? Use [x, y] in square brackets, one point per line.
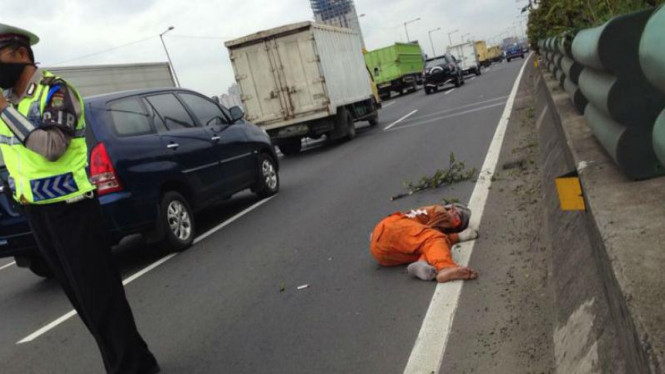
[10, 72]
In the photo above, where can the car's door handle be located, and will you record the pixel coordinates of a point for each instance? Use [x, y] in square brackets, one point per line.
[172, 145]
[215, 138]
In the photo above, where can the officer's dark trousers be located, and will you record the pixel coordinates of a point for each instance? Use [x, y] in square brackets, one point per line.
[73, 241]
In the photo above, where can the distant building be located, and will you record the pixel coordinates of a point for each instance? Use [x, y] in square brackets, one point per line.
[232, 98]
[340, 13]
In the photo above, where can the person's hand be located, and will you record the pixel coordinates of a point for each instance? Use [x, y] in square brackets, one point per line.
[468, 234]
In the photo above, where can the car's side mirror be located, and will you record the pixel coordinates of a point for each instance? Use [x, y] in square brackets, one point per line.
[236, 113]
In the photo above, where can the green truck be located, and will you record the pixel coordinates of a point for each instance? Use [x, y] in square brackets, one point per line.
[396, 68]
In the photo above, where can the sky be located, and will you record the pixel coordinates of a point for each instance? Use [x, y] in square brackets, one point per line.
[92, 32]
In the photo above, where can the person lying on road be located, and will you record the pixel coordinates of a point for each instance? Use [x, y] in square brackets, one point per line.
[423, 238]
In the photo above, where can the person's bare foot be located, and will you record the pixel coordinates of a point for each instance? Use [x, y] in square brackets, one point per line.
[422, 270]
[458, 273]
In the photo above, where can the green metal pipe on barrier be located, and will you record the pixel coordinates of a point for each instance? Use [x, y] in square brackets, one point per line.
[652, 49]
[659, 137]
[612, 47]
[565, 44]
[560, 77]
[629, 147]
[576, 96]
[624, 100]
[572, 69]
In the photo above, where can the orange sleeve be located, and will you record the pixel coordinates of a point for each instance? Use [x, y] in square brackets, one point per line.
[436, 250]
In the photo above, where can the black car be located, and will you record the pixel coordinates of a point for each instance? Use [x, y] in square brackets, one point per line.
[156, 157]
[440, 71]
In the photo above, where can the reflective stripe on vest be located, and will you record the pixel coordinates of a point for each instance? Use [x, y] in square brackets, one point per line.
[34, 179]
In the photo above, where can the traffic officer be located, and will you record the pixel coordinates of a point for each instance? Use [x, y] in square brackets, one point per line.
[42, 126]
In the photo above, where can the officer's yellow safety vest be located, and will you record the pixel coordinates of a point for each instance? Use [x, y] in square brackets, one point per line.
[32, 178]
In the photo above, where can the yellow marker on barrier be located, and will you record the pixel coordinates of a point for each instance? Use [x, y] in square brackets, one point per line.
[570, 193]
[535, 62]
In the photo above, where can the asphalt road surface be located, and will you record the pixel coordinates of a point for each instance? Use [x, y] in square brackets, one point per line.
[232, 303]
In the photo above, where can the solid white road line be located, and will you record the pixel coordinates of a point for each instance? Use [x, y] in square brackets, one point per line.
[430, 345]
[438, 119]
[472, 78]
[400, 120]
[144, 271]
[449, 91]
[8, 265]
[384, 106]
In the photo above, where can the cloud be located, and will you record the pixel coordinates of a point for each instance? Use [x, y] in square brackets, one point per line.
[71, 29]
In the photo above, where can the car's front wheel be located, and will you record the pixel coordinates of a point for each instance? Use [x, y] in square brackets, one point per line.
[268, 183]
[177, 220]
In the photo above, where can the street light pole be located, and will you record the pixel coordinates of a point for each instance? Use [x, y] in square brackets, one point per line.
[450, 40]
[430, 40]
[407, 30]
[161, 36]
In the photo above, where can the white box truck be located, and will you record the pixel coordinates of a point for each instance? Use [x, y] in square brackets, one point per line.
[304, 80]
[466, 57]
[100, 79]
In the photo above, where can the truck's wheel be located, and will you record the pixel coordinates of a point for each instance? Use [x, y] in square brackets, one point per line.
[177, 220]
[401, 91]
[414, 86]
[478, 71]
[458, 82]
[508, 60]
[350, 126]
[374, 119]
[290, 146]
[268, 182]
[427, 91]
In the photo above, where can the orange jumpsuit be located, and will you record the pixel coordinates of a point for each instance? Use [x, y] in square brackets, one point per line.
[403, 238]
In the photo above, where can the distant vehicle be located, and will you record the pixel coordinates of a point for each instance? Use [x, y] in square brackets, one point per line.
[466, 57]
[440, 71]
[514, 51]
[304, 80]
[397, 68]
[156, 158]
[482, 53]
[92, 80]
[495, 53]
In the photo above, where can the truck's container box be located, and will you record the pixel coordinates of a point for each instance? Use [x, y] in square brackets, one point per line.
[395, 61]
[298, 73]
[465, 53]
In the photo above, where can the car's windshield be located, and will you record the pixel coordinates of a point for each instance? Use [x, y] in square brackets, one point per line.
[437, 61]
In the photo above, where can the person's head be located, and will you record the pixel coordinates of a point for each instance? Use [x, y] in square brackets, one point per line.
[15, 54]
[451, 218]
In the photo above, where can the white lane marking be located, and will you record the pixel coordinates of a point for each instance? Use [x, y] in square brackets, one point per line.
[430, 345]
[472, 78]
[488, 69]
[8, 265]
[400, 120]
[449, 91]
[142, 272]
[231, 220]
[461, 107]
[541, 117]
[383, 106]
[437, 119]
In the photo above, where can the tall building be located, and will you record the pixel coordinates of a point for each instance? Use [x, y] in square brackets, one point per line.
[340, 13]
